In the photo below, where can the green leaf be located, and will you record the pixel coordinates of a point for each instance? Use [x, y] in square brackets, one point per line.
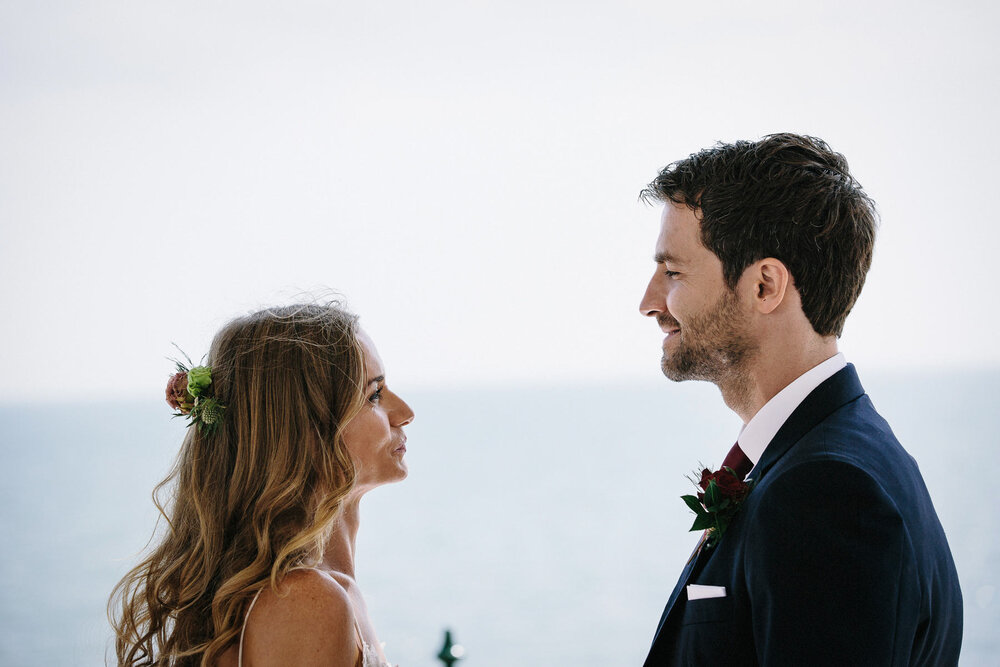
[692, 502]
[703, 522]
[712, 496]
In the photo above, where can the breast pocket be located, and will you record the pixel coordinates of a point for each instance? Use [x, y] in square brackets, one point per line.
[709, 636]
[708, 610]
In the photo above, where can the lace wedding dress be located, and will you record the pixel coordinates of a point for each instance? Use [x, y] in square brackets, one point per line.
[369, 657]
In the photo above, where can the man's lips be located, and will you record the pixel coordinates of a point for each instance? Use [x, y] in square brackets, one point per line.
[668, 325]
[671, 333]
[402, 446]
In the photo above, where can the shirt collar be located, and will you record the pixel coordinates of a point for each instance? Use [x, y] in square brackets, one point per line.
[760, 430]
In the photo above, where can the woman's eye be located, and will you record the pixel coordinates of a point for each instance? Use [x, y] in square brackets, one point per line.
[376, 396]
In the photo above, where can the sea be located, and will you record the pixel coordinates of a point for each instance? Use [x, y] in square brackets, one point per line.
[541, 525]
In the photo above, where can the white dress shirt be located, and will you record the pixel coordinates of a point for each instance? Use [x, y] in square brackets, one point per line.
[760, 430]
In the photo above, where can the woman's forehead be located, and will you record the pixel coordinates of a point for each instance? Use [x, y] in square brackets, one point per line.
[373, 363]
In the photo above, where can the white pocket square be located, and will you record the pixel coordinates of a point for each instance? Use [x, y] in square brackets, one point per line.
[699, 592]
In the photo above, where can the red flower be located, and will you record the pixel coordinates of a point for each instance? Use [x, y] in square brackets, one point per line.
[730, 486]
[718, 502]
[177, 393]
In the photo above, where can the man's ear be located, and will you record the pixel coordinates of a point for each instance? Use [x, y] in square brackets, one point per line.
[769, 280]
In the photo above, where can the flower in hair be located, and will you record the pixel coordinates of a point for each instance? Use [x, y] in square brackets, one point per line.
[189, 392]
[177, 393]
[199, 378]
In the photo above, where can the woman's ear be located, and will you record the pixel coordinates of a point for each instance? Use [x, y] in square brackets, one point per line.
[770, 280]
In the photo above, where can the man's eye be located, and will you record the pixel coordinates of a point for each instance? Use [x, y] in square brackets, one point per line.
[671, 274]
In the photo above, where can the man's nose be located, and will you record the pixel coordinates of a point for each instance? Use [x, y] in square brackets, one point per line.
[653, 302]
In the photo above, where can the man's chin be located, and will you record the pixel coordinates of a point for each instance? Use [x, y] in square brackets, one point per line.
[682, 372]
[671, 371]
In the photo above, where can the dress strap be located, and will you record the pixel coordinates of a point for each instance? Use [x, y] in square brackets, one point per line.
[362, 646]
[239, 661]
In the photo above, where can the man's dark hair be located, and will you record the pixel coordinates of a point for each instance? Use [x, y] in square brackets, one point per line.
[785, 196]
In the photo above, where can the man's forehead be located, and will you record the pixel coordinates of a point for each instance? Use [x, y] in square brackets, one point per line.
[679, 235]
[670, 245]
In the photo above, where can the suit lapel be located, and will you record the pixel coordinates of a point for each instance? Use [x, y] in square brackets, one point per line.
[686, 573]
[832, 394]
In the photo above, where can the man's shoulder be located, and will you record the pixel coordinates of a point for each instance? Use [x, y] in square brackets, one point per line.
[855, 435]
[850, 457]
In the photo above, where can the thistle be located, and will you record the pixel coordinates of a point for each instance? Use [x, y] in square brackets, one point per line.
[207, 414]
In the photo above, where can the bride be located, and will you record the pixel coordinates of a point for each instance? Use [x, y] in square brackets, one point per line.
[292, 423]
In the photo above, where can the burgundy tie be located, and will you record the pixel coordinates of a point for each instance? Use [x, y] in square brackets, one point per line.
[738, 461]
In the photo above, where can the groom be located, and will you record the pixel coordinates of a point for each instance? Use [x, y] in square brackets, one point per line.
[835, 556]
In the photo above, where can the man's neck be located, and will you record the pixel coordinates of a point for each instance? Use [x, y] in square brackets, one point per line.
[776, 366]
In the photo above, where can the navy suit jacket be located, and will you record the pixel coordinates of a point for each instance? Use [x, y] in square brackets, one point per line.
[837, 556]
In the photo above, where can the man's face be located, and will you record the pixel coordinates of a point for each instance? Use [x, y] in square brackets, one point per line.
[707, 329]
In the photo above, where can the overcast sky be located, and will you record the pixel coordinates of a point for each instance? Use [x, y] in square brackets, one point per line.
[464, 172]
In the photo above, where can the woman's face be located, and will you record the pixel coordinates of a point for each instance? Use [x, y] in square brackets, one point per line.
[374, 437]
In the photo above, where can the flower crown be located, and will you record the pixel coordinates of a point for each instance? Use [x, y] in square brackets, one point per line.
[188, 392]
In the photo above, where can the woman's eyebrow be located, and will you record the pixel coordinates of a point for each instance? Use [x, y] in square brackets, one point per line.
[376, 380]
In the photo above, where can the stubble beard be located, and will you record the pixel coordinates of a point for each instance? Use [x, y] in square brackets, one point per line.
[714, 346]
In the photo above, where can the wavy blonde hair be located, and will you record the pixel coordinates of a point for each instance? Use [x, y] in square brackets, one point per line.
[256, 497]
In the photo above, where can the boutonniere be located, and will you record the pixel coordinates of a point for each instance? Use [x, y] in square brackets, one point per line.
[721, 495]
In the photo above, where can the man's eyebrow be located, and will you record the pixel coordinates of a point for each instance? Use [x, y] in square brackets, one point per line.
[376, 380]
[664, 257]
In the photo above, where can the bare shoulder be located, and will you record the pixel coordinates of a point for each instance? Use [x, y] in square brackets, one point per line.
[308, 621]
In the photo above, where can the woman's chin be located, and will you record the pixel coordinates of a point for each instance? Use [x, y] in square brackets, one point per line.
[398, 473]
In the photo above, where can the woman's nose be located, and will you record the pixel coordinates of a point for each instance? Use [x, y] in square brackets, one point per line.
[402, 413]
